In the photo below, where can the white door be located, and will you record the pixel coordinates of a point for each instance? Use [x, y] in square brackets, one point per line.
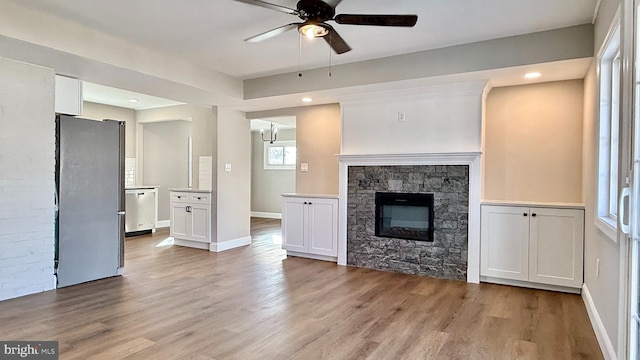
[199, 224]
[555, 246]
[179, 220]
[323, 231]
[504, 242]
[293, 227]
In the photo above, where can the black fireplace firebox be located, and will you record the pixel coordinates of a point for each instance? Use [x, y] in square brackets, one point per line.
[404, 216]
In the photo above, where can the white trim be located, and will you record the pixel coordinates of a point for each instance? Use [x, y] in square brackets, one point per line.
[606, 228]
[598, 327]
[472, 159]
[229, 244]
[529, 284]
[596, 11]
[192, 244]
[266, 215]
[311, 256]
[163, 224]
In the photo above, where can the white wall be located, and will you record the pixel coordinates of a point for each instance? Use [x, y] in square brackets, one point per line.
[439, 118]
[233, 187]
[27, 160]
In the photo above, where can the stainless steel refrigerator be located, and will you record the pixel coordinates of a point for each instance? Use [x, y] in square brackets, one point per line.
[90, 199]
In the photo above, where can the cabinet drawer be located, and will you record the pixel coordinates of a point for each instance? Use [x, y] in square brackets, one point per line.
[179, 196]
[200, 198]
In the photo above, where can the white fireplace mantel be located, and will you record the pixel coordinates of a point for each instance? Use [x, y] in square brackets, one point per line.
[472, 159]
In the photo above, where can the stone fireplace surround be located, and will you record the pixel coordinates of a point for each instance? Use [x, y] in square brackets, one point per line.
[470, 159]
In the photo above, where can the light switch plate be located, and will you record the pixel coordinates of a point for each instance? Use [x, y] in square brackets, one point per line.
[304, 167]
[227, 167]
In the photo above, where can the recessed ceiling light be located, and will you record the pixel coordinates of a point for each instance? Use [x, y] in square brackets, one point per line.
[307, 99]
[532, 75]
[133, 100]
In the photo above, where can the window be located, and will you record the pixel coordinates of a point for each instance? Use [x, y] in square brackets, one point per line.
[610, 70]
[280, 155]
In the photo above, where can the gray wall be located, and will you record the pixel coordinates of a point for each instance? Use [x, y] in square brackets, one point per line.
[165, 149]
[267, 185]
[95, 111]
[233, 187]
[605, 288]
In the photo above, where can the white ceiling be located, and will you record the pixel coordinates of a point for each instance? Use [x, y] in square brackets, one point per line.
[117, 97]
[210, 33]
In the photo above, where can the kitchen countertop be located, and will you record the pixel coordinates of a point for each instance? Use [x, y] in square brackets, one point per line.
[190, 190]
[140, 187]
[328, 196]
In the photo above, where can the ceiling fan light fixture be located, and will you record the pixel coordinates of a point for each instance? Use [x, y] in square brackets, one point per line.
[313, 30]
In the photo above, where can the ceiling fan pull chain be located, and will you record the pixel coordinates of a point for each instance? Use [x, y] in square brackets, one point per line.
[299, 56]
[330, 50]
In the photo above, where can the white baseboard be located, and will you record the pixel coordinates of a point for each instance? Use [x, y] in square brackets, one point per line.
[312, 256]
[608, 351]
[193, 244]
[266, 215]
[163, 223]
[229, 244]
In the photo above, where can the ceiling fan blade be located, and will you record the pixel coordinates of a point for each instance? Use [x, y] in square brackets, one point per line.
[377, 20]
[272, 33]
[336, 41]
[271, 6]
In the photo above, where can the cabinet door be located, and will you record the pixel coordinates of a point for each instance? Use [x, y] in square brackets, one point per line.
[200, 225]
[556, 242]
[323, 227]
[504, 242]
[293, 229]
[179, 220]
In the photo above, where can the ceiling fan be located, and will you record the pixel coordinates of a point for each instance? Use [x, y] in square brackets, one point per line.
[315, 14]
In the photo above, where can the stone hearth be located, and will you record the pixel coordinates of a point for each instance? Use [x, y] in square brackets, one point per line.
[446, 256]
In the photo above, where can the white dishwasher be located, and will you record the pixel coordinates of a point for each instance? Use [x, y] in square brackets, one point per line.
[140, 211]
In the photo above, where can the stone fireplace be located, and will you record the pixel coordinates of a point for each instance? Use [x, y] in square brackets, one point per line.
[453, 180]
[446, 255]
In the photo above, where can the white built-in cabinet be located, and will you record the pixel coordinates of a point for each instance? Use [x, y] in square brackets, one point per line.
[532, 245]
[190, 215]
[310, 226]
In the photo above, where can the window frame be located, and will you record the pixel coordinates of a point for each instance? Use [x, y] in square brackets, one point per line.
[609, 72]
[284, 144]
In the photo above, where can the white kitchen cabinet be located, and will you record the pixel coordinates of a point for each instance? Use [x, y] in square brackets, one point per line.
[68, 96]
[191, 218]
[534, 245]
[310, 226]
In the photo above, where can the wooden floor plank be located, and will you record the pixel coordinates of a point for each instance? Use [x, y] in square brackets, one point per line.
[255, 303]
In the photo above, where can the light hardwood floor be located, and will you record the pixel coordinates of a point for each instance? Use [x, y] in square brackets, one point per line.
[255, 303]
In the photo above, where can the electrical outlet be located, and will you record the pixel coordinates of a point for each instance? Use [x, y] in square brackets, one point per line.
[597, 267]
[227, 167]
[304, 167]
[401, 116]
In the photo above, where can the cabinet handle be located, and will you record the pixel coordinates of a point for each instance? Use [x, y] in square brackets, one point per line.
[199, 198]
[305, 203]
[534, 214]
[179, 197]
[188, 209]
[524, 214]
[309, 203]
